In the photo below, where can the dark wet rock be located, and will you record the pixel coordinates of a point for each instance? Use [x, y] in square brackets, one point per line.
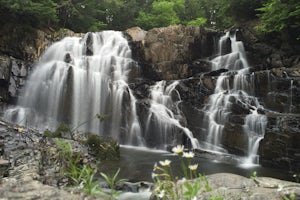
[135, 187]
[200, 65]
[281, 91]
[216, 72]
[280, 146]
[234, 139]
[5, 68]
[68, 58]
[89, 44]
[19, 71]
[270, 50]
[4, 166]
[227, 47]
[20, 48]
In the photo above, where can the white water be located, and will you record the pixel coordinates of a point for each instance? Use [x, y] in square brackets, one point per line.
[90, 84]
[291, 96]
[165, 114]
[234, 86]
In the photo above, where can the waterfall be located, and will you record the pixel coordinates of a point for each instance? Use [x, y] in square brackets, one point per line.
[233, 87]
[78, 78]
[165, 116]
[291, 96]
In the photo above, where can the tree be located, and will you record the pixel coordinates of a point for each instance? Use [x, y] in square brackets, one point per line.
[278, 15]
[81, 16]
[36, 13]
[197, 22]
[242, 10]
[162, 14]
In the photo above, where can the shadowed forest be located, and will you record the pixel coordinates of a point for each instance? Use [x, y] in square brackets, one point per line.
[96, 15]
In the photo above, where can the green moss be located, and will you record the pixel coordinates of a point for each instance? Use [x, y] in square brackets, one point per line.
[103, 148]
[62, 128]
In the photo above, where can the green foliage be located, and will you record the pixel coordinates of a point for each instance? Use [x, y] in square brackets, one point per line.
[216, 198]
[87, 178]
[194, 9]
[103, 148]
[113, 182]
[292, 196]
[197, 22]
[206, 183]
[242, 10]
[162, 14]
[191, 190]
[254, 175]
[277, 15]
[94, 15]
[80, 175]
[296, 177]
[58, 133]
[37, 13]
[69, 161]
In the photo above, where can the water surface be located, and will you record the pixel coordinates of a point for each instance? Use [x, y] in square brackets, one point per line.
[136, 164]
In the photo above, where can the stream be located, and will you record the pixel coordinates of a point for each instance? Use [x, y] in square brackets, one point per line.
[136, 164]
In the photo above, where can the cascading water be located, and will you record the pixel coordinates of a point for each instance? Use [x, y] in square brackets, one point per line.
[233, 87]
[291, 96]
[78, 78]
[164, 114]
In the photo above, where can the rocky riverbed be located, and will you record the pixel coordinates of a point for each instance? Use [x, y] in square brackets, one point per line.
[28, 171]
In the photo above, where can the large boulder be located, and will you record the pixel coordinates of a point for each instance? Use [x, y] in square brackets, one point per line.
[280, 146]
[168, 53]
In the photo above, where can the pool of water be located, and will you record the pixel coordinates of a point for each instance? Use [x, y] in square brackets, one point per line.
[136, 164]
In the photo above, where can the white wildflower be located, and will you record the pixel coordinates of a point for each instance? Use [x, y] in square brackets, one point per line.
[188, 155]
[153, 175]
[161, 194]
[178, 149]
[165, 163]
[193, 167]
[155, 166]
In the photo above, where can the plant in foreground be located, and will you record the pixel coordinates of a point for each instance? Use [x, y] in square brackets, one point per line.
[254, 175]
[113, 182]
[167, 186]
[81, 175]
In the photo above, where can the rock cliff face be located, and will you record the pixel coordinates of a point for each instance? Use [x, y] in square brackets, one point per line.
[20, 48]
[179, 52]
[168, 53]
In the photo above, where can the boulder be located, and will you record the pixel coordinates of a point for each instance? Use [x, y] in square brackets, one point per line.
[231, 186]
[136, 34]
[280, 146]
[169, 52]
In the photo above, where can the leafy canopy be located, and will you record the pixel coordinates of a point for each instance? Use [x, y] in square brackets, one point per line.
[161, 14]
[33, 12]
[277, 15]
[96, 15]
